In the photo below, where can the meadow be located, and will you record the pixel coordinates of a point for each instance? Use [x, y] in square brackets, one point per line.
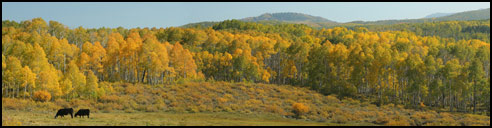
[45, 118]
[223, 103]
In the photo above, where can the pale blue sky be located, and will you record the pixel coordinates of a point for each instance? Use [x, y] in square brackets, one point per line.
[149, 14]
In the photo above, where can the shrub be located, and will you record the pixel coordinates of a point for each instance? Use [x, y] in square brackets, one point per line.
[275, 109]
[401, 107]
[372, 107]
[351, 101]
[116, 106]
[398, 120]
[421, 118]
[77, 103]
[142, 99]
[129, 110]
[204, 108]
[351, 116]
[475, 120]
[246, 111]
[193, 109]
[161, 105]
[227, 109]
[445, 120]
[332, 99]
[111, 98]
[398, 123]
[364, 104]
[9, 103]
[235, 107]
[107, 109]
[222, 100]
[132, 89]
[324, 114]
[140, 108]
[364, 114]
[174, 104]
[47, 106]
[303, 117]
[62, 103]
[300, 109]
[381, 120]
[178, 109]
[42, 96]
[388, 106]
[99, 106]
[328, 109]
[228, 96]
[150, 108]
[341, 119]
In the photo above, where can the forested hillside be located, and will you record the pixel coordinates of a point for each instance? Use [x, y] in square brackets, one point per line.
[457, 30]
[46, 61]
[481, 14]
[287, 16]
[277, 18]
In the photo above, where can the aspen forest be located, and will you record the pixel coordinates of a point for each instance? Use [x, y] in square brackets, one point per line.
[433, 73]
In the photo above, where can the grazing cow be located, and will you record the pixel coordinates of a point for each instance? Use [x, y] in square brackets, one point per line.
[64, 111]
[83, 112]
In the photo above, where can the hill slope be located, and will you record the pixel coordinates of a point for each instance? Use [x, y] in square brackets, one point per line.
[277, 18]
[288, 17]
[204, 24]
[251, 99]
[481, 14]
[436, 15]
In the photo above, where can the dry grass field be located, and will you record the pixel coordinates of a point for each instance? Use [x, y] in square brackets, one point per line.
[43, 118]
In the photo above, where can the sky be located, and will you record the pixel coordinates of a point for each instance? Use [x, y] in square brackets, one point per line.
[152, 14]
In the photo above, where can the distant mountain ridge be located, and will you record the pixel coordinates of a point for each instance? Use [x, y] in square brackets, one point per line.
[288, 17]
[277, 18]
[320, 22]
[481, 14]
[435, 15]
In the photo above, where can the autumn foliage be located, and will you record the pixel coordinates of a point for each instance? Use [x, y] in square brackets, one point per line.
[178, 68]
[42, 96]
[300, 109]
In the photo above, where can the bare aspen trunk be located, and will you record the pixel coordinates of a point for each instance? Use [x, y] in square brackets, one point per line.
[474, 99]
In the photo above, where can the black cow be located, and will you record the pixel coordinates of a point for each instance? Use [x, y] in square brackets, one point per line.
[64, 111]
[83, 112]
